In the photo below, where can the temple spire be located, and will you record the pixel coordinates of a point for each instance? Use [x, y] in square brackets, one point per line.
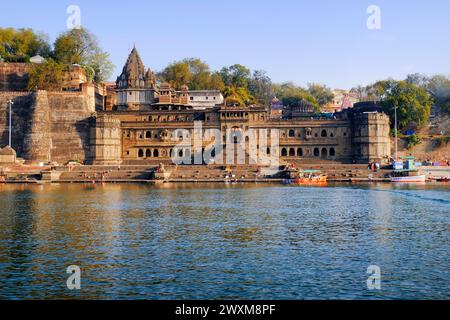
[134, 74]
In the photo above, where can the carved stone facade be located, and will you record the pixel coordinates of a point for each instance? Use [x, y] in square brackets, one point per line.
[149, 126]
[140, 123]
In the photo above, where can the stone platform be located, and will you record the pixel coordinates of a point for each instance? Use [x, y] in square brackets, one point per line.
[178, 174]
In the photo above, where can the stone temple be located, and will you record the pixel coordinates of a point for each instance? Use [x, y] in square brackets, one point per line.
[133, 122]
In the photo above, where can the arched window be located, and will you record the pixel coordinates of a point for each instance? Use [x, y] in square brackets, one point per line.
[180, 153]
[292, 152]
[324, 133]
[237, 135]
[148, 135]
[141, 153]
[316, 152]
[155, 153]
[332, 152]
[284, 152]
[324, 153]
[291, 134]
[299, 152]
[268, 151]
[148, 153]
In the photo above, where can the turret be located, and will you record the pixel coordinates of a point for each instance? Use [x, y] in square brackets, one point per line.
[371, 133]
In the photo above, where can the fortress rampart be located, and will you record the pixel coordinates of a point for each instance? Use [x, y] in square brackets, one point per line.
[47, 126]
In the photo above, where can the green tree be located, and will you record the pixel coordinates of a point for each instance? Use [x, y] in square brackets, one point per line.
[20, 45]
[260, 87]
[439, 87]
[46, 76]
[201, 75]
[291, 94]
[418, 79]
[413, 102]
[79, 46]
[216, 82]
[321, 93]
[177, 74]
[238, 96]
[236, 79]
[193, 72]
[101, 66]
[236, 75]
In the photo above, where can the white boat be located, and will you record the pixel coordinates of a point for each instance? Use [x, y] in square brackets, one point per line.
[409, 179]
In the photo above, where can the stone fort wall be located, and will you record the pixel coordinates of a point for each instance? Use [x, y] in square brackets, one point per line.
[47, 126]
[14, 76]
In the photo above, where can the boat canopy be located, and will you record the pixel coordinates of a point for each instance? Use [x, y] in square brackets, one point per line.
[406, 170]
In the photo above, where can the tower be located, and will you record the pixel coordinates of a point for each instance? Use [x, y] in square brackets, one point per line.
[135, 85]
[371, 133]
[105, 140]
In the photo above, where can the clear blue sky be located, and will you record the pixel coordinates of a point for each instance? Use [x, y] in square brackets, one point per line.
[300, 41]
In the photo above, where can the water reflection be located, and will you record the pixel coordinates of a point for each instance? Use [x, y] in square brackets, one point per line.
[196, 241]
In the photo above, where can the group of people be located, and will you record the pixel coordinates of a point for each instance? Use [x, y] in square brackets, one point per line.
[102, 175]
[374, 166]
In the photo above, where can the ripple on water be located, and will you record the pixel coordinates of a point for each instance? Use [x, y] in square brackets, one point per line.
[224, 242]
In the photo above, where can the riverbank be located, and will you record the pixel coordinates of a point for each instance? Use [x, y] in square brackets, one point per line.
[192, 174]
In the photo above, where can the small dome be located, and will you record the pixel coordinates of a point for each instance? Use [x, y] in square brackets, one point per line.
[184, 87]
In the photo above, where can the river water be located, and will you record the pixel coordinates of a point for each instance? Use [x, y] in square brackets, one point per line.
[222, 241]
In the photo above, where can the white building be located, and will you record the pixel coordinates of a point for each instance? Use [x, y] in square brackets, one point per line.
[204, 99]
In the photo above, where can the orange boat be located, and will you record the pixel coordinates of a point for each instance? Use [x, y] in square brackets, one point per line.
[311, 177]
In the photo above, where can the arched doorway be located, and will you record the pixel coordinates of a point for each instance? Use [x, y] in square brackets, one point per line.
[292, 152]
[332, 152]
[316, 152]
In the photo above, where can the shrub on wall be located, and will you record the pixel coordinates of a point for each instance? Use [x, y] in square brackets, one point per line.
[46, 76]
[412, 141]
